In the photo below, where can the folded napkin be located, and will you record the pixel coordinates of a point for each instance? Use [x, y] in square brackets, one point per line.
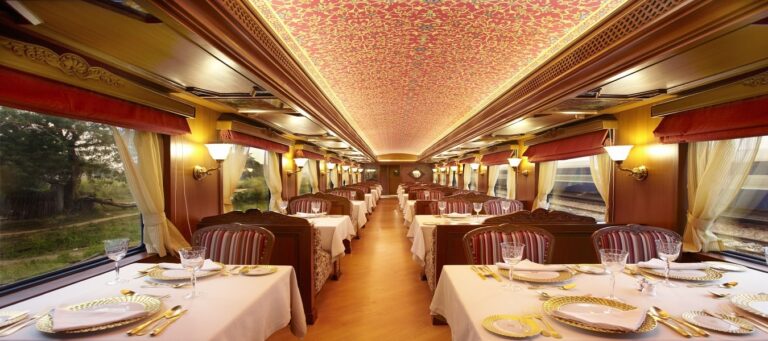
[458, 215]
[527, 265]
[209, 265]
[302, 214]
[65, 319]
[629, 320]
[659, 264]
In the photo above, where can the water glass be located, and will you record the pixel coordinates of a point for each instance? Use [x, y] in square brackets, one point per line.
[192, 259]
[315, 206]
[512, 253]
[441, 206]
[477, 206]
[614, 261]
[116, 249]
[283, 207]
[505, 206]
[426, 195]
[667, 251]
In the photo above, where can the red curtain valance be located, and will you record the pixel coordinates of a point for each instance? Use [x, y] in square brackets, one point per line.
[467, 160]
[568, 148]
[498, 158]
[335, 160]
[739, 119]
[24, 91]
[252, 141]
[309, 155]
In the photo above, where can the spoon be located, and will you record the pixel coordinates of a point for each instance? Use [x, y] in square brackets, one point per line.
[568, 286]
[139, 330]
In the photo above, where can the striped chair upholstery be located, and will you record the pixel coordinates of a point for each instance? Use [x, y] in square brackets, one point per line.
[483, 245]
[350, 195]
[236, 243]
[493, 207]
[304, 205]
[638, 240]
[433, 195]
[451, 206]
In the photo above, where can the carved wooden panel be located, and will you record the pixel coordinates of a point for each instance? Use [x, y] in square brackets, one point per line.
[541, 216]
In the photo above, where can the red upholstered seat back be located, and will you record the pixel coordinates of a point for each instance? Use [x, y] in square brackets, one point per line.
[483, 245]
[638, 240]
[236, 243]
[433, 195]
[493, 207]
[304, 205]
[451, 206]
[350, 195]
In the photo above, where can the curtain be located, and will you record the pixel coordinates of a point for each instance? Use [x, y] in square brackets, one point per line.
[274, 182]
[547, 171]
[231, 171]
[334, 175]
[467, 176]
[511, 183]
[145, 181]
[716, 172]
[344, 178]
[601, 167]
[493, 176]
[313, 176]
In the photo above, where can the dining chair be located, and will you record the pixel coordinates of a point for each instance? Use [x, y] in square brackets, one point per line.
[236, 243]
[483, 245]
[493, 207]
[433, 195]
[304, 205]
[451, 206]
[638, 240]
[350, 195]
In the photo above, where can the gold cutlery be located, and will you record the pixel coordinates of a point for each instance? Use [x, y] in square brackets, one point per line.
[171, 320]
[548, 330]
[128, 292]
[568, 286]
[726, 285]
[477, 271]
[719, 294]
[490, 272]
[142, 273]
[720, 317]
[21, 324]
[756, 322]
[139, 330]
[681, 331]
[169, 285]
[665, 315]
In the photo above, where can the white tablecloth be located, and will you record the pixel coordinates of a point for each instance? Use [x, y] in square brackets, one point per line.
[228, 308]
[402, 200]
[333, 231]
[359, 208]
[465, 300]
[376, 194]
[370, 200]
[409, 211]
[421, 232]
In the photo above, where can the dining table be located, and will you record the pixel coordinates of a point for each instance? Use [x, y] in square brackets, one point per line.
[359, 209]
[465, 299]
[371, 201]
[228, 307]
[409, 211]
[334, 229]
[420, 232]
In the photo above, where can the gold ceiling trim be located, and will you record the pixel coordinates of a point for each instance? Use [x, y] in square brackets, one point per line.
[68, 63]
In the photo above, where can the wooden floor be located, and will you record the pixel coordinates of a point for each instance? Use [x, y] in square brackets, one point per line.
[380, 295]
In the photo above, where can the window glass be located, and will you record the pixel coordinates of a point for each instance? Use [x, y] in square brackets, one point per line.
[743, 227]
[575, 191]
[500, 189]
[62, 192]
[252, 190]
[305, 179]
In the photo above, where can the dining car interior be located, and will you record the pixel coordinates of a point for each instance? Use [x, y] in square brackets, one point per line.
[383, 169]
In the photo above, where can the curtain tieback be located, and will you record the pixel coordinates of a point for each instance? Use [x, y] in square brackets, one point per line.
[153, 219]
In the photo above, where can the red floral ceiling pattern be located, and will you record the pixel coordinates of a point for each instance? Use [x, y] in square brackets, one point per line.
[406, 72]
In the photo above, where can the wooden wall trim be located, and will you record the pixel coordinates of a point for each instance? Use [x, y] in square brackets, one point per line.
[640, 35]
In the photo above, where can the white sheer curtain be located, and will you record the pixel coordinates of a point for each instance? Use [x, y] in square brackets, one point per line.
[493, 176]
[274, 182]
[511, 183]
[467, 176]
[334, 174]
[344, 178]
[231, 171]
[547, 171]
[716, 172]
[313, 175]
[601, 167]
[145, 181]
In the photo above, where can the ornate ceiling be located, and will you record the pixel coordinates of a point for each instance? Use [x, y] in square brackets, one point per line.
[404, 73]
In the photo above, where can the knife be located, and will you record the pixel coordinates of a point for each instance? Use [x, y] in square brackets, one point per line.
[162, 327]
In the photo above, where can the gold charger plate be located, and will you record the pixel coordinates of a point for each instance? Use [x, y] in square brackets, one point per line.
[710, 275]
[744, 301]
[151, 306]
[700, 319]
[555, 303]
[159, 274]
[494, 324]
[561, 277]
[261, 270]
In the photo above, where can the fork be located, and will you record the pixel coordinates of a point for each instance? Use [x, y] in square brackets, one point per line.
[489, 272]
[19, 325]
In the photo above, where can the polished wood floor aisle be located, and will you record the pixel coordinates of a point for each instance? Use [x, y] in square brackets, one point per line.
[379, 295]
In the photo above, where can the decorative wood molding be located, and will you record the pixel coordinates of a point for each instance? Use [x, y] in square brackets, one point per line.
[68, 63]
[643, 33]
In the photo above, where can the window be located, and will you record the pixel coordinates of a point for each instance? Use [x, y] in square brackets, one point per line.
[305, 179]
[473, 179]
[252, 190]
[62, 192]
[743, 227]
[330, 178]
[500, 189]
[574, 190]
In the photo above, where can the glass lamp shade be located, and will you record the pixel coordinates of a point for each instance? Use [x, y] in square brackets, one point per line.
[454, 168]
[218, 151]
[330, 165]
[514, 161]
[434, 170]
[345, 168]
[300, 162]
[359, 170]
[474, 165]
[618, 153]
[354, 169]
[442, 169]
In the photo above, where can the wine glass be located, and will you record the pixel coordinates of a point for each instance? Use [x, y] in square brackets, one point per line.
[192, 259]
[614, 261]
[512, 253]
[426, 195]
[477, 206]
[441, 206]
[315, 206]
[283, 207]
[116, 250]
[667, 251]
[505, 206]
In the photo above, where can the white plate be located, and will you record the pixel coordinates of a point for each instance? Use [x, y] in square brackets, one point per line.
[703, 320]
[753, 303]
[588, 308]
[537, 274]
[11, 317]
[725, 266]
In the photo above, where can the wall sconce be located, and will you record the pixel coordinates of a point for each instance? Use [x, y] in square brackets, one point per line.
[434, 170]
[620, 153]
[454, 168]
[442, 169]
[474, 165]
[360, 170]
[514, 162]
[345, 168]
[218, 152]
[354, 169]
[300, 163]
[330, 165]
